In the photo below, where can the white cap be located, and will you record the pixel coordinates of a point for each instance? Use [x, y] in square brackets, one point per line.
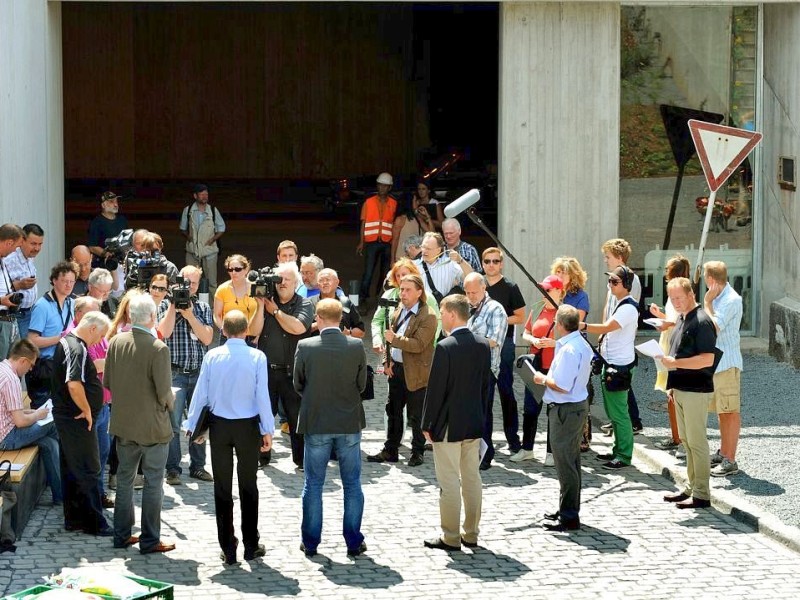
[385, 179]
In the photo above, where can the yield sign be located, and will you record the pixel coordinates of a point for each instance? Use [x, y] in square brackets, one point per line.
[721, 149]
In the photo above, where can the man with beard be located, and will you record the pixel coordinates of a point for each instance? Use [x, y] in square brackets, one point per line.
[202, 225]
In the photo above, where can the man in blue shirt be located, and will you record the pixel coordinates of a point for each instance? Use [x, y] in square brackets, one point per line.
[565, 396]
[233, 385]
[51, 315]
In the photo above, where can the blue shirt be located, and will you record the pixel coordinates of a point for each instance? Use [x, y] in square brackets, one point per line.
[579, 300]
[47, 319]
[233, 384]
[570, 369]
[728, 318]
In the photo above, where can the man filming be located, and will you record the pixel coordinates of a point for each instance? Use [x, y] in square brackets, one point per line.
[279, 325]
[187, 331]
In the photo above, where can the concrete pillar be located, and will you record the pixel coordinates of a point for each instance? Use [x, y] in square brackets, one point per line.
[559, 136]
[31, 137]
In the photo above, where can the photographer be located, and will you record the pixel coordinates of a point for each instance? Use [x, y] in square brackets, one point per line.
[10, 238]
[279, 325]
[186, 325]
[154, 245]
[22, 271]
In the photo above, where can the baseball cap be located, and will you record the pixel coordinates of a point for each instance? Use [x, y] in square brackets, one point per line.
[106, 196]
[624, 274]
[551, 282]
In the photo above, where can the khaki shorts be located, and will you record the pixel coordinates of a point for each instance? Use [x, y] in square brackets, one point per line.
[727, 392]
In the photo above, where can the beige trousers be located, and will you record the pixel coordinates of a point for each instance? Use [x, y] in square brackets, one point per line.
[458, 475]
[691, 409]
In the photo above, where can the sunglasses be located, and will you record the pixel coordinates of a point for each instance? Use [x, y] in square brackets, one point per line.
[158, 288]
[492, 261]
[614, 280]
[237, 269]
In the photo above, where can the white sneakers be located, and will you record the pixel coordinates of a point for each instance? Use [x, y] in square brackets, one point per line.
[548, 460]
[522, 455]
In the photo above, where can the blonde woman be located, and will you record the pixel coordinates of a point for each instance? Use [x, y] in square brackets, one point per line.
[234, 294]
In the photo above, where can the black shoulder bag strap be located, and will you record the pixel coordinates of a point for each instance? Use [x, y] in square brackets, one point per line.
[630, 301]
[436, 293]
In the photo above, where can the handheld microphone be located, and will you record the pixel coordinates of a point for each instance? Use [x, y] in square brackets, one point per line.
[462, 203]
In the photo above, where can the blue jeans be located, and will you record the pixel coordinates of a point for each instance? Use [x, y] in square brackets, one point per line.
[318, 448]
[103, 441]
[23, 322]
[197, 452]
[46, 438]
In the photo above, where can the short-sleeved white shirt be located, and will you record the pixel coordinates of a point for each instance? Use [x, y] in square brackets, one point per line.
[617, 345]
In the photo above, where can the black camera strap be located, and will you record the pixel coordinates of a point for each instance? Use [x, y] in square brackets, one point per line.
[628, 300]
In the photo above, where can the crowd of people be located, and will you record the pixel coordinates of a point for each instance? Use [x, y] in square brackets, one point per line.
[127, 370]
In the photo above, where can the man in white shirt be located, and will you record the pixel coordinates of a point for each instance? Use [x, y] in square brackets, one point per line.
[22, 270]
[441, 269]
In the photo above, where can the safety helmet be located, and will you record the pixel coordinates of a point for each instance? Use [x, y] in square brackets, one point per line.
[385, 179]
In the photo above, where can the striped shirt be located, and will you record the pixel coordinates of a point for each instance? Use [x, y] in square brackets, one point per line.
[490, 321]
[186, 351]
[469, 254]
[10, 397]
[728, 317]
[444, 273]
[19, 267]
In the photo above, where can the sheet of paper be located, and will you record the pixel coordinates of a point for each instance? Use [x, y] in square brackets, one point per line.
[17, 466]
[650, 348]
[49, 417]
[484, 448]
[175, 390]
[655, 322]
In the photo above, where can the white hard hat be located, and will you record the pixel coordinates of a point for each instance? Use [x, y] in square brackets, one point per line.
[385, 179]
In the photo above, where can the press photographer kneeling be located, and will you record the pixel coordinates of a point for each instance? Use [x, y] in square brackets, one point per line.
[616, 342]
[186, 324]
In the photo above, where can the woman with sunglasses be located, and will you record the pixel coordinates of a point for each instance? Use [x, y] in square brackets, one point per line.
[234, 294]
[571, 273]
[540, 334]
[159, 286]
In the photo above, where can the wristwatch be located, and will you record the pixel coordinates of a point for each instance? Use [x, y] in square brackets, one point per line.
[275, 312]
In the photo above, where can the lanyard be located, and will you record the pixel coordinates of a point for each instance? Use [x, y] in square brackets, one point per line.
[400, 322]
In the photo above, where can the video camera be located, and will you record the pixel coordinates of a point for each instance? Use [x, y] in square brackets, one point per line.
[181, 296]
[141, 267]
[118, 247]
[387, 303]
[263, 282]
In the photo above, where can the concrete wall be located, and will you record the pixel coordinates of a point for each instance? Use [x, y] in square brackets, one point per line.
[31, 147]
[780, 123]
[559, 136]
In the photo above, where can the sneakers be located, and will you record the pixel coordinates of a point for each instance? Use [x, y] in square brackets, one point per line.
[667, 444]
[548, 460]
[173, 479]
[614, 464]
[680, 451]
[638, 428]
[202, 475]
[112, 482]
[522, 455]
[716, 458]
[725, 468]
[606, 427]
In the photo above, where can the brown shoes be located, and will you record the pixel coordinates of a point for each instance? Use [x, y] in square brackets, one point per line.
[159, 547]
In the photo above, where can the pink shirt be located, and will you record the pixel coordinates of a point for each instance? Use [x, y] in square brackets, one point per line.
[10, 397]
[96, 352]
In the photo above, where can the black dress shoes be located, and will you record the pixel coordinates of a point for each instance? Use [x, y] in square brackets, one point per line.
[552, 516]
[485, 465]
[415, 460]
[229, 556]
[264, 458]
[357, 551]
[573, 525]
[383, 456]
[308, 551]
[469, 544]
[679, 497]
[438, 544]
[694, 503]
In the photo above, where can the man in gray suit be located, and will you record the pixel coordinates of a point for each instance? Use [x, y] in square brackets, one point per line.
[139, 377]
[330, 372]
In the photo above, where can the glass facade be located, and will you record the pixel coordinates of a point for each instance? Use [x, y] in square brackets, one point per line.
[679, 63]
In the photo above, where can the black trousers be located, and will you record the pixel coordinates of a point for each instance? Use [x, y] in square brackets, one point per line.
[399, 398]
[80, 475]
[281, 388]
[243, 437]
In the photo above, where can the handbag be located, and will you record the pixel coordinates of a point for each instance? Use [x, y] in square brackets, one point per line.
[203, 423]
[369, 389]
[7, 535]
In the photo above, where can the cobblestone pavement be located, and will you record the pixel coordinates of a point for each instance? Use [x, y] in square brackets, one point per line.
[632, 544]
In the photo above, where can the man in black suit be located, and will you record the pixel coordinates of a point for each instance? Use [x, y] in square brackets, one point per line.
[330, 372]
[452, 420]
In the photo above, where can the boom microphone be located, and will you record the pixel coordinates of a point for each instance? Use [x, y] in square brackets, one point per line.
[459, 205]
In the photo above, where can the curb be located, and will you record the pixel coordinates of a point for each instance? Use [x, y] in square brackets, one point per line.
[724, 501]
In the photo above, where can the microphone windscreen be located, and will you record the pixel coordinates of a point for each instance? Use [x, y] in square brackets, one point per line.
[459, 205]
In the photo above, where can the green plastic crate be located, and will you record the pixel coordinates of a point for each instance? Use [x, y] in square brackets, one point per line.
[158, 590]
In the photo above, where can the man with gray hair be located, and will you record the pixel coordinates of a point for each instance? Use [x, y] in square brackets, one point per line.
[451, 231]
[565, 396]
[101, 283]
[310, 266]
[351, 323]
[139, 377]
[77, 400]
[412, 247]
[279, 324]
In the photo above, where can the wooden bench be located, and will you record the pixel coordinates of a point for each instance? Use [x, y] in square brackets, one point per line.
[28, 483]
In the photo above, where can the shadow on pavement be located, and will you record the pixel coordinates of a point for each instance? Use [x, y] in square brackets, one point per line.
[263, 579]
[361, 572]
[598, 540]
[753, 486]
[154, 566]
[486, 565]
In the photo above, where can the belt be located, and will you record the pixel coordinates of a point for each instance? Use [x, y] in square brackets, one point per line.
[184, 370]
[4, 316]
[25, 310]
[275, 367]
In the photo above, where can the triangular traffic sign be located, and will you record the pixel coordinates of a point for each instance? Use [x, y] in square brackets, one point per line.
[721, 149]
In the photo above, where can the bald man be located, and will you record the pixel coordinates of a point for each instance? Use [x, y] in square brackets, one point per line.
[83, 258]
